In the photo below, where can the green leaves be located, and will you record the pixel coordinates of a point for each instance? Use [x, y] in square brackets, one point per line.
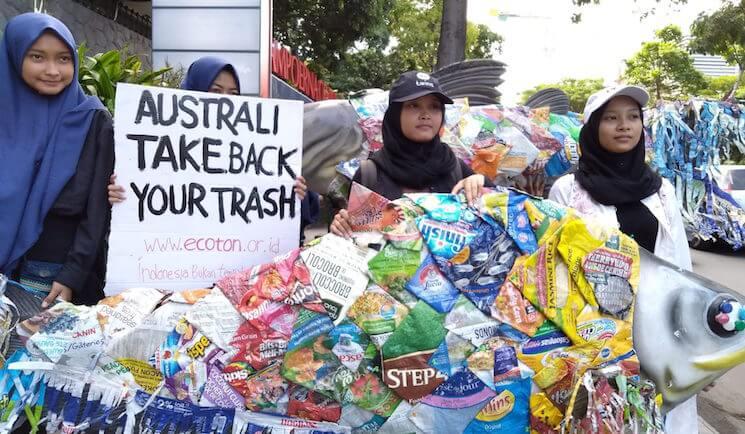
[664, 67]
[578, 91]
[99, 74]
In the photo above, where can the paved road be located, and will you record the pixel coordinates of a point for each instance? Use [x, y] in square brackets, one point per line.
[722, 409]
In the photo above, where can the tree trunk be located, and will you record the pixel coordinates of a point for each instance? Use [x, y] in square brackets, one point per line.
[452, 47]
[731, 95]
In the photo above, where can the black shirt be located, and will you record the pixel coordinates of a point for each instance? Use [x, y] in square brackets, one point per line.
[76, 229]
[386, 187]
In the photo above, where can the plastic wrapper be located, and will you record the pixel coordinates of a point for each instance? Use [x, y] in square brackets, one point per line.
[508, 208]
[359, 420]
[431, 286]
[377, 313]
[407, 352]
[215, 316]
[260, 347]
[123, 312]
[309, 405]
[73, 335]
[511, 307]
[266, 391]
[338, 270]
[392, 268]
[470, 323]
[369, 211]
[509, 410]
[218, 392]
[452, 354]
[252, 423]
[475, 255]
[263, 288]
[452, 405]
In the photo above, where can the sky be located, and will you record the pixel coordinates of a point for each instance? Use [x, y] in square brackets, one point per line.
[542, 45]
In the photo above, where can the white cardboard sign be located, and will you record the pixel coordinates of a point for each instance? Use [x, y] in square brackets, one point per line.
[209, 186]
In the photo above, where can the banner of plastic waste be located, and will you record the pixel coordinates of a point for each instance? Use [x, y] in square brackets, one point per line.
[508, 316]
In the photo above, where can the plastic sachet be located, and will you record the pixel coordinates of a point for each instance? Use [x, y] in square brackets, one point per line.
[72, 336]
[160, 414]
[512, 308]
[377, 313]
[392, 268]
[399, 422]
[266, 391]
[286, 280]
[470, 323]
[452, 354]
[252, 423]
[359, 420]
[309, 405]
[369, 211]
[508, 208]
[431, 286]
[123, 312]
[216, 317]
[338, 271]
[452, 405]
[260, 347]
[407, 351]
[218, 392]
[509, 410]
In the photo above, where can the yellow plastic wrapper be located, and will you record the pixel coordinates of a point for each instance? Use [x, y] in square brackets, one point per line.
[546, 283]
[545, 217]
[543, 414]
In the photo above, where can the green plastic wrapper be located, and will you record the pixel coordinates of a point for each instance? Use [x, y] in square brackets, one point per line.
[392, 268]
[421, 330]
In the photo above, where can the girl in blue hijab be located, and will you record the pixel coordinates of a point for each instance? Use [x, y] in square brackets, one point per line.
[56, 155]
[216, 75]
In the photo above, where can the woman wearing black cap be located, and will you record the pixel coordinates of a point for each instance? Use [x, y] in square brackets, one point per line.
[413, 158]
[615, 185]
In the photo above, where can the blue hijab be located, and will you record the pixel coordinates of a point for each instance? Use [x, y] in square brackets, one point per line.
[40, 137]
[204, 71]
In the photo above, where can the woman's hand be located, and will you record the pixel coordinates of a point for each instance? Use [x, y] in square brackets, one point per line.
[473, 186]
[116, 191]
[300, 187]
[341, 225]
[58, 290]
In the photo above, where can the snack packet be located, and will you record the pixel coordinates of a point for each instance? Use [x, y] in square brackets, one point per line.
[262, 347]
[73, 334]
[216, 317]
[452, 405]
[407, 352]
[392, 268]
[123, 312]
[511, 307]
[266, 391]
[508, 208]
[338, 269]
[377, 313]
[309, 405]
[359, 420]
[369, 211]
[451, 355]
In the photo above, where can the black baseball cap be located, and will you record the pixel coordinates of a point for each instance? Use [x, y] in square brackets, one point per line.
[414, 84]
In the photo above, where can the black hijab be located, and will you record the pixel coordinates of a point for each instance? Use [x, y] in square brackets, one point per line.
[408, 163]
[619, 179]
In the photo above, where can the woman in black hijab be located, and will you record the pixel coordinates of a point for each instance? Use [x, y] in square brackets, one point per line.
[614, 184]
[413, 158]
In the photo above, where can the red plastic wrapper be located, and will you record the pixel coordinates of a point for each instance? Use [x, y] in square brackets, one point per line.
[369, 211]
[260, 347]
[310, 405]
[286, 280]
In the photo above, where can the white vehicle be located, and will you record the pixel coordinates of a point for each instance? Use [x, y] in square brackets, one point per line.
[732, 180]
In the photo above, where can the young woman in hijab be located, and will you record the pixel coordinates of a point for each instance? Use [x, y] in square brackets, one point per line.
[215, 75]
[413, 158]
[613, 183]
[57, 147]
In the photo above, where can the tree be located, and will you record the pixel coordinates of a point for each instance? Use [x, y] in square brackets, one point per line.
[717, 87]
[723, 33]
[664, 67]
[578, 90]
[452, 46]
[413, 27]
[319, 32]
[374, 41]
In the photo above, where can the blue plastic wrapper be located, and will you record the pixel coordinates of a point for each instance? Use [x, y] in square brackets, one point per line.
[480, 266]
[430, 285]
[452, 405]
